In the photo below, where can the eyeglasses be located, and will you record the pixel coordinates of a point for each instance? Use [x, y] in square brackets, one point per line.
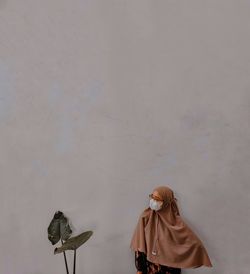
[151, 196]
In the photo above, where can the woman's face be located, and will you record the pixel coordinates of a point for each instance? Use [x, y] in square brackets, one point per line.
[156, 201]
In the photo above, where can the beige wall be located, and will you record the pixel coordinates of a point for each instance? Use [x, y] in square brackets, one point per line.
[101, 101]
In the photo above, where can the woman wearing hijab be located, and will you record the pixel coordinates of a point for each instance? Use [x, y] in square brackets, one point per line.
[163, 243]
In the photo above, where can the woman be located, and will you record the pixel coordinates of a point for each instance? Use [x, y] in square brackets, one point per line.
[163, 243]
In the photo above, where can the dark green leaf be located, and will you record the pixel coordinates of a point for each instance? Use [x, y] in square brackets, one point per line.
[74, 242]
[59, 228]
[65, 229]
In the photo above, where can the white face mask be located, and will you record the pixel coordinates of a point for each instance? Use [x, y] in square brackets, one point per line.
[155, 205]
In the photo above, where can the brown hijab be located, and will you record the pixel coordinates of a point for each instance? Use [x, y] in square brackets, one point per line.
[166, 239]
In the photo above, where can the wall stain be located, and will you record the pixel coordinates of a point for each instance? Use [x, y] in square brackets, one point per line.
[72, 111]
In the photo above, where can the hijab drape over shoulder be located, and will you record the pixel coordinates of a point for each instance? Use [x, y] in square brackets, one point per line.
[166, 239]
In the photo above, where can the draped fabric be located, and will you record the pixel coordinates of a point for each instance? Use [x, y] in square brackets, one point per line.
[166, 239]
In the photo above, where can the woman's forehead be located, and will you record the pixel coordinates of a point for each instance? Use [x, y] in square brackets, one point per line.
[163, 192]
[156, 194]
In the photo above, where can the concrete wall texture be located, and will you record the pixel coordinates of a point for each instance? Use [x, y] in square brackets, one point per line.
[100, 102]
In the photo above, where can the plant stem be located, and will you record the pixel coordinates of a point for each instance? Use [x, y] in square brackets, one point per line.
[74, 271]
[65, 260]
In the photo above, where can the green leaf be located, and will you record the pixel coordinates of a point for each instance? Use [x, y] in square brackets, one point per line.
[59, 228]
[65, 229]
[74, 242]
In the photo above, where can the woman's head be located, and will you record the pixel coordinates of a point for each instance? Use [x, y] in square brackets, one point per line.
[160, 197]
